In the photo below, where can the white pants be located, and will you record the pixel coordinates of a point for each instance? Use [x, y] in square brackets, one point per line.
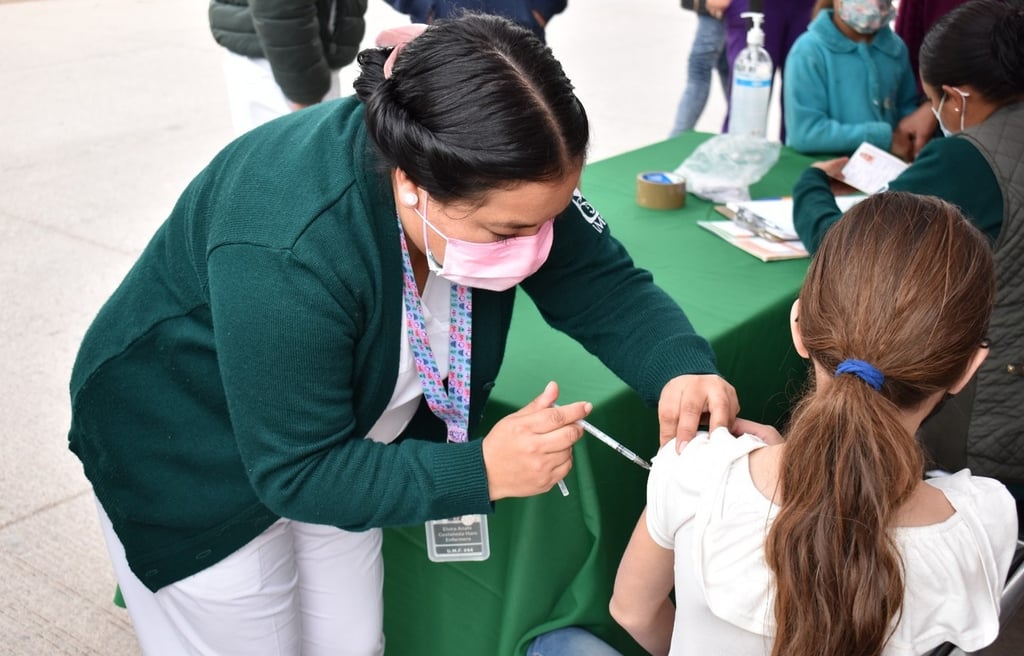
[295, 589]
[253, 96]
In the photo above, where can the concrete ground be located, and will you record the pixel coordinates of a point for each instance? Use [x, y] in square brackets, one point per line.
[109, 108]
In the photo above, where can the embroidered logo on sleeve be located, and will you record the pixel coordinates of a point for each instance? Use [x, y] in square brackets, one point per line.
[587, 210]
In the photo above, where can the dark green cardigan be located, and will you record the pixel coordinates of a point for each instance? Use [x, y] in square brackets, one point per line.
[231, 378]
[950, 168]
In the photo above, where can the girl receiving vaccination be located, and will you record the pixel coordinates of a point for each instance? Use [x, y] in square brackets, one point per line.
[832, 542]
[848, 80]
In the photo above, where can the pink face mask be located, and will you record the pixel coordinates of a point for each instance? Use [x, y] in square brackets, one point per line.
[495, 266]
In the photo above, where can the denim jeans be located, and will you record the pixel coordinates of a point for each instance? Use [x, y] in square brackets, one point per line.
[570, 641]
[706, 55]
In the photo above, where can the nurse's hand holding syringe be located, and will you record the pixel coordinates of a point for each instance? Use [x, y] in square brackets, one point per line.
[528, 451]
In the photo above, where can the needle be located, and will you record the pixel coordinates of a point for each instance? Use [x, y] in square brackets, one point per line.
[612, 442]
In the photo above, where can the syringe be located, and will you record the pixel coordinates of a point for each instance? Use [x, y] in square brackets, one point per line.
[612, 442]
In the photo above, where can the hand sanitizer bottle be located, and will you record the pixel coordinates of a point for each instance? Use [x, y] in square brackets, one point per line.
[752, 74]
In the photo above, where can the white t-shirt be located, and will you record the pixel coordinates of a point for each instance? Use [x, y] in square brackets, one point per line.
[704, 505]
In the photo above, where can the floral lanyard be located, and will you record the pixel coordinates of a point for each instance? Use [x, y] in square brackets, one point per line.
[452, 405]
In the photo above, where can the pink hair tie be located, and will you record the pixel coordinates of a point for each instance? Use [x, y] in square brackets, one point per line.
[397, 38]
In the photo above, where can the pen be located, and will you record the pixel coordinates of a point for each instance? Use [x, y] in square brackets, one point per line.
[612, 442]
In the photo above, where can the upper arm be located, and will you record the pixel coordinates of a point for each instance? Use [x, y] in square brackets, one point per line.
[674, 489]
[997, 511]
[804, 84]
[284, 348]
[952, 169]
[645, 575]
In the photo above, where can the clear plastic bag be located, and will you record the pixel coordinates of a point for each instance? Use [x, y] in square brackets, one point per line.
[722, 168]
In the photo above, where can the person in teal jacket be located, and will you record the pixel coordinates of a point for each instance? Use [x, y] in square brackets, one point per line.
[302, 352]
[848, 80]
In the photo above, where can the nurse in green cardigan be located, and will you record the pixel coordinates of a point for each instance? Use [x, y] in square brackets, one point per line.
[303, 352]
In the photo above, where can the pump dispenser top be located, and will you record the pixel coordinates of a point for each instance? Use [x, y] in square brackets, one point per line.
[755, 35]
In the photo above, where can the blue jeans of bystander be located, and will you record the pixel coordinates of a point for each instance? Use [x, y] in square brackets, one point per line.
[706, 55]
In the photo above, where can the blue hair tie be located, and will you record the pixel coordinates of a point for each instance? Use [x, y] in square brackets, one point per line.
[863, 370]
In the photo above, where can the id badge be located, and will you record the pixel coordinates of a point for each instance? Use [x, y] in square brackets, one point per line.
[458, 538]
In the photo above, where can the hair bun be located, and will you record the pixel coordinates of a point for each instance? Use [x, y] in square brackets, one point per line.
[1008, 44]
[371, 77]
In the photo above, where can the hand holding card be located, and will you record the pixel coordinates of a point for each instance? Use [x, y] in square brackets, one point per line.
[870, 169]
[833, 168]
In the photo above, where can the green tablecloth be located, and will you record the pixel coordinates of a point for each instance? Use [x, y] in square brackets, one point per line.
[553, 558]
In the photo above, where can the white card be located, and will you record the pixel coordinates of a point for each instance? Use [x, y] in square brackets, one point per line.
[458, 538]
[871, 169]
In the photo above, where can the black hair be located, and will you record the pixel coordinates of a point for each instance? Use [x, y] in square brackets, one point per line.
[473, 104]
[980, 43]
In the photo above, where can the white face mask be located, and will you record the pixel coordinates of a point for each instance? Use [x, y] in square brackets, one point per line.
[963, 112]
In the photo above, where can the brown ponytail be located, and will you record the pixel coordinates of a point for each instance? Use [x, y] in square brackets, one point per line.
[904, 283]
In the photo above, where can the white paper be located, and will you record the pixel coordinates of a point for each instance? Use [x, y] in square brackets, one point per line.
[777, 213]
[765, 250]
[871, 169]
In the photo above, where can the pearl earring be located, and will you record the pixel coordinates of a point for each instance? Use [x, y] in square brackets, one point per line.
[410, 199]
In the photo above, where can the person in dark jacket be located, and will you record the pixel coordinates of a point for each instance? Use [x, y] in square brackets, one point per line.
[531, 14]
[283, 55]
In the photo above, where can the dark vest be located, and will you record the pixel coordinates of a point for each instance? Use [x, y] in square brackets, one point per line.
[995, 440]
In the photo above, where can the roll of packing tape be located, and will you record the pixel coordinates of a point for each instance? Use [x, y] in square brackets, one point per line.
[660, 190]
